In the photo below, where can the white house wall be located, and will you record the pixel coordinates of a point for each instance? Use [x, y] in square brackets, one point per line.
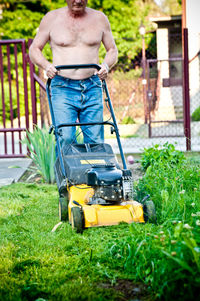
[165, 109]
[193, 25]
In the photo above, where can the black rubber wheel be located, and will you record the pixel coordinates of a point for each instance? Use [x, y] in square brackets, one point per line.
[63, 209]
[149, 212]
[77, 219]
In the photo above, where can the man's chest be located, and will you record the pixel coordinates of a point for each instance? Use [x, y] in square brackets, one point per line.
[70, 34]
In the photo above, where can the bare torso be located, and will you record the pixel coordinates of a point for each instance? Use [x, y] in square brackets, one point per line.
[76, 40]
[75, 34]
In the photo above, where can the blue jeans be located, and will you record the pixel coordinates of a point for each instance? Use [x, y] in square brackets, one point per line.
[78, 99]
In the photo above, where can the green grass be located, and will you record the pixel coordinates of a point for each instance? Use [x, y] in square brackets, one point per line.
[38, 264]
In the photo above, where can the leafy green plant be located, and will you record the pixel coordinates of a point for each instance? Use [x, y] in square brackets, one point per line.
[161, 155]
[169, 179]
[196, 115]
[41, 146]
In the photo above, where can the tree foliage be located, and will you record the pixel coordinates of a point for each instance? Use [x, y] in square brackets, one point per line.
[22, 18]
[171, 7]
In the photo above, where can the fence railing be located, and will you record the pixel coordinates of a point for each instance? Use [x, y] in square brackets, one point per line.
[14, 96]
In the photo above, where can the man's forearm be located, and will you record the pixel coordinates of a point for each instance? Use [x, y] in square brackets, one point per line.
[109, 61]
[111, 57]
[37, 58]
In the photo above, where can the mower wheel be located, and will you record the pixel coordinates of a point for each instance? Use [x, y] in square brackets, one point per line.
[63, 209]
[149, 212]
[77, 219]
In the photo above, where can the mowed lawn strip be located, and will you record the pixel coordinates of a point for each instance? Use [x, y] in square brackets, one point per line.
[62, 265]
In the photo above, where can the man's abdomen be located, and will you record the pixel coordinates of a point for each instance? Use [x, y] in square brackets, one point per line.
[75, 56]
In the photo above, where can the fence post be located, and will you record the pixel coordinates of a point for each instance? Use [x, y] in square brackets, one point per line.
[149, 99]
[33, 89]
[186, 92]
[25, 82]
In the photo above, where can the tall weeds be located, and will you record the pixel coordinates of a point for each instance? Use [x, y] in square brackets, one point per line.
[166, 257]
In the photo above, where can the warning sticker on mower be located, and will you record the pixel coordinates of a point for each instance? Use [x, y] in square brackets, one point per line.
[100, 161]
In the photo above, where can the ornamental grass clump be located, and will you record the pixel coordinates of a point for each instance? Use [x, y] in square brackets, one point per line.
[41, 146]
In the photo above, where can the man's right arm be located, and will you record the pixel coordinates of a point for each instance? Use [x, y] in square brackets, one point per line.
[40, 40]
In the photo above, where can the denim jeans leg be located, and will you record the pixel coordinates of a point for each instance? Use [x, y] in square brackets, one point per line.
[92, 110]
[64, 109]
[82, 99]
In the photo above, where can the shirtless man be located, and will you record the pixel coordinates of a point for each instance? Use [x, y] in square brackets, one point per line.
[75, 33]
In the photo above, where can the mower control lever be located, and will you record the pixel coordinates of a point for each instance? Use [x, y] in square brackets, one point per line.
[51, 129]
[112, 130]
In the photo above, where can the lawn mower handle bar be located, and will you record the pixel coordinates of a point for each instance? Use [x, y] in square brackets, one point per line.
[84, 123]
[81, 66]
[53, 128]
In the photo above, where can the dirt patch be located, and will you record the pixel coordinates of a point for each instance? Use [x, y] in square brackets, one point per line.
[127, 290]
[136, 169]
[31, 175]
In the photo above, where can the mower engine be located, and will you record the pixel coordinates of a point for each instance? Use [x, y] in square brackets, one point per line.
[95, 165]
[110, 184]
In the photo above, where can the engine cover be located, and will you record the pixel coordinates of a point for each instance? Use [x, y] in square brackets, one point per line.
[104, 175]
[110, 184]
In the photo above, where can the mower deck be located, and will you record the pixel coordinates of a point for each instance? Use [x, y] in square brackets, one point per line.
[102, 215]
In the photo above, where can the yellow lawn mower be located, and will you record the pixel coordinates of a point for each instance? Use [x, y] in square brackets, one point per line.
[93, 189]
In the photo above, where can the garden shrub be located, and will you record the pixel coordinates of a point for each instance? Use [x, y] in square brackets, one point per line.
[196, 115]
[166, 154]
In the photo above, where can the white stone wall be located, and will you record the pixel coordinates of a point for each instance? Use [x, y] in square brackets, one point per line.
[162, 44]
[193, 25]
[165, 109]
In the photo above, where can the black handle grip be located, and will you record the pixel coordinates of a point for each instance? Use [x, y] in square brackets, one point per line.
[80, 66]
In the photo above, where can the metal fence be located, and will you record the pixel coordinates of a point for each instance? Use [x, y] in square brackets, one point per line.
[14, 98]
[22, 97]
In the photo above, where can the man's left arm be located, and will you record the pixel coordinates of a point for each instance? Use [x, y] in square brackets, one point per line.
[111, 50]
